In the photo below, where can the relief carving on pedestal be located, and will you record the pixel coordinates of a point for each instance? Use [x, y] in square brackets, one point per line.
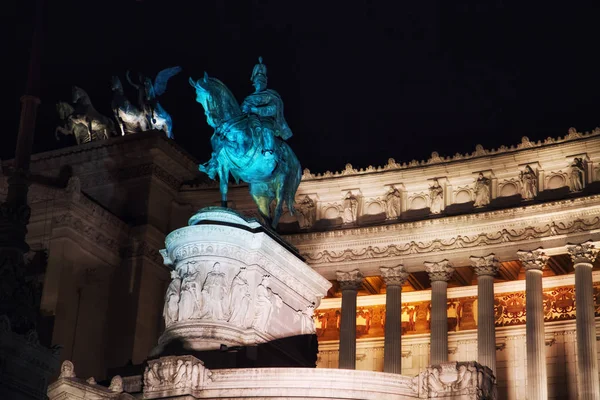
[240, 299]
[175, 374]
[265, 304]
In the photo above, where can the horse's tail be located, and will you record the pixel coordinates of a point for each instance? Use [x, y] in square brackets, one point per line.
[294, 178]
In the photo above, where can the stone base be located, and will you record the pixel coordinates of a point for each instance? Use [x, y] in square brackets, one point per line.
[234, 283]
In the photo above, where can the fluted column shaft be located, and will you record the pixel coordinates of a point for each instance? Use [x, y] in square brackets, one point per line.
[392, 352]
[349, 282]
[439, 274]
[485, 268]
[537, 375]
[588, 386]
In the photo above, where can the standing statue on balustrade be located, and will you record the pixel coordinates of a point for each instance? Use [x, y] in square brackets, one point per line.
[249, 143]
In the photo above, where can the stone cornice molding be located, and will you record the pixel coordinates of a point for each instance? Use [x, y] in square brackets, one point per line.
[435, 158]
[583, 253]
[487, 265]
[395, 276]
[583, 207]
[439, 271]
[351, 280]
[458, 242]
[533, 259]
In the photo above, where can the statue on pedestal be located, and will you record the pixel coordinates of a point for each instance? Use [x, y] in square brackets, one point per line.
[482, 191]
[577, 174]
[248, 142]
[436, 193]
[130, 118]
[148, 93]
[82, 120]
[529, 183]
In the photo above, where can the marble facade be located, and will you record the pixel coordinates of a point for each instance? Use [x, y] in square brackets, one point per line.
[105, 282]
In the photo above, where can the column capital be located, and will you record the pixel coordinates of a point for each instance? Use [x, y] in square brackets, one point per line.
[533, 259]
[582, 253]
[350, 280]
[487, 265]
[394, 276]
[439, 271]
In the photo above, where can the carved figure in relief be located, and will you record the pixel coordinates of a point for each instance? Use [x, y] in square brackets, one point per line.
[215, 293]
[349, 208]
[529, 183]
[180, 375]
[152, 377]
[190, 300]
[436, 194]
[265, 301]
[306, 209]
[195, 375]
[393, 200]
[240, 299]
[482, 191]
[434, 383]
[577, 174]
[464, 378]
[171, 309]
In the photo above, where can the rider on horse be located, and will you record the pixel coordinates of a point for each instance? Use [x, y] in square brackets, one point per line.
[264, 108]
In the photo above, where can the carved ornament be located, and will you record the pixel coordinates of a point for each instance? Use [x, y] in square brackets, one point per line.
[583, 252]
[487, 265]
[394, 276]
[533, 259]
[439, 271]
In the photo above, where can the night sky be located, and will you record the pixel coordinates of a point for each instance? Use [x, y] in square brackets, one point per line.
[362, 81]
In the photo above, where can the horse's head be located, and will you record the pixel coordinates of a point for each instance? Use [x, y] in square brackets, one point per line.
[216, 99]
[64, 110]
[116, 85]
[78, 94]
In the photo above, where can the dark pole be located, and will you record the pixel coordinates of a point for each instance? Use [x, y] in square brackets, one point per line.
[17, 298]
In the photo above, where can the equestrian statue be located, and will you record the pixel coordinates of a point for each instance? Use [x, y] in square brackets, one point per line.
[82, 120]
[148, 93]
[249, 142]
[131, 119]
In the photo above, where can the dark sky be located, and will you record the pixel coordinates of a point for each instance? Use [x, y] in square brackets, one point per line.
[362, 81]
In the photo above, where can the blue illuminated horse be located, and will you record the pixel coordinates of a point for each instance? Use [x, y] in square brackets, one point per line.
[237, 149]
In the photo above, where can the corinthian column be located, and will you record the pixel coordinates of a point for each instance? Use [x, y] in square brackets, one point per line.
[439, 274]
[537, 376]
[583, 255]
[349, 282]
[394, 278]
[485, 268]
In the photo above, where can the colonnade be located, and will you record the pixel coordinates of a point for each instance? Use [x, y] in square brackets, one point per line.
[440, 272]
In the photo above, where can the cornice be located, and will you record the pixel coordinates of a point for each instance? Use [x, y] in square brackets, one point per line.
[435, 158]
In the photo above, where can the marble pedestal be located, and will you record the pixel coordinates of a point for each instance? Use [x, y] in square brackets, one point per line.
[235, 283]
